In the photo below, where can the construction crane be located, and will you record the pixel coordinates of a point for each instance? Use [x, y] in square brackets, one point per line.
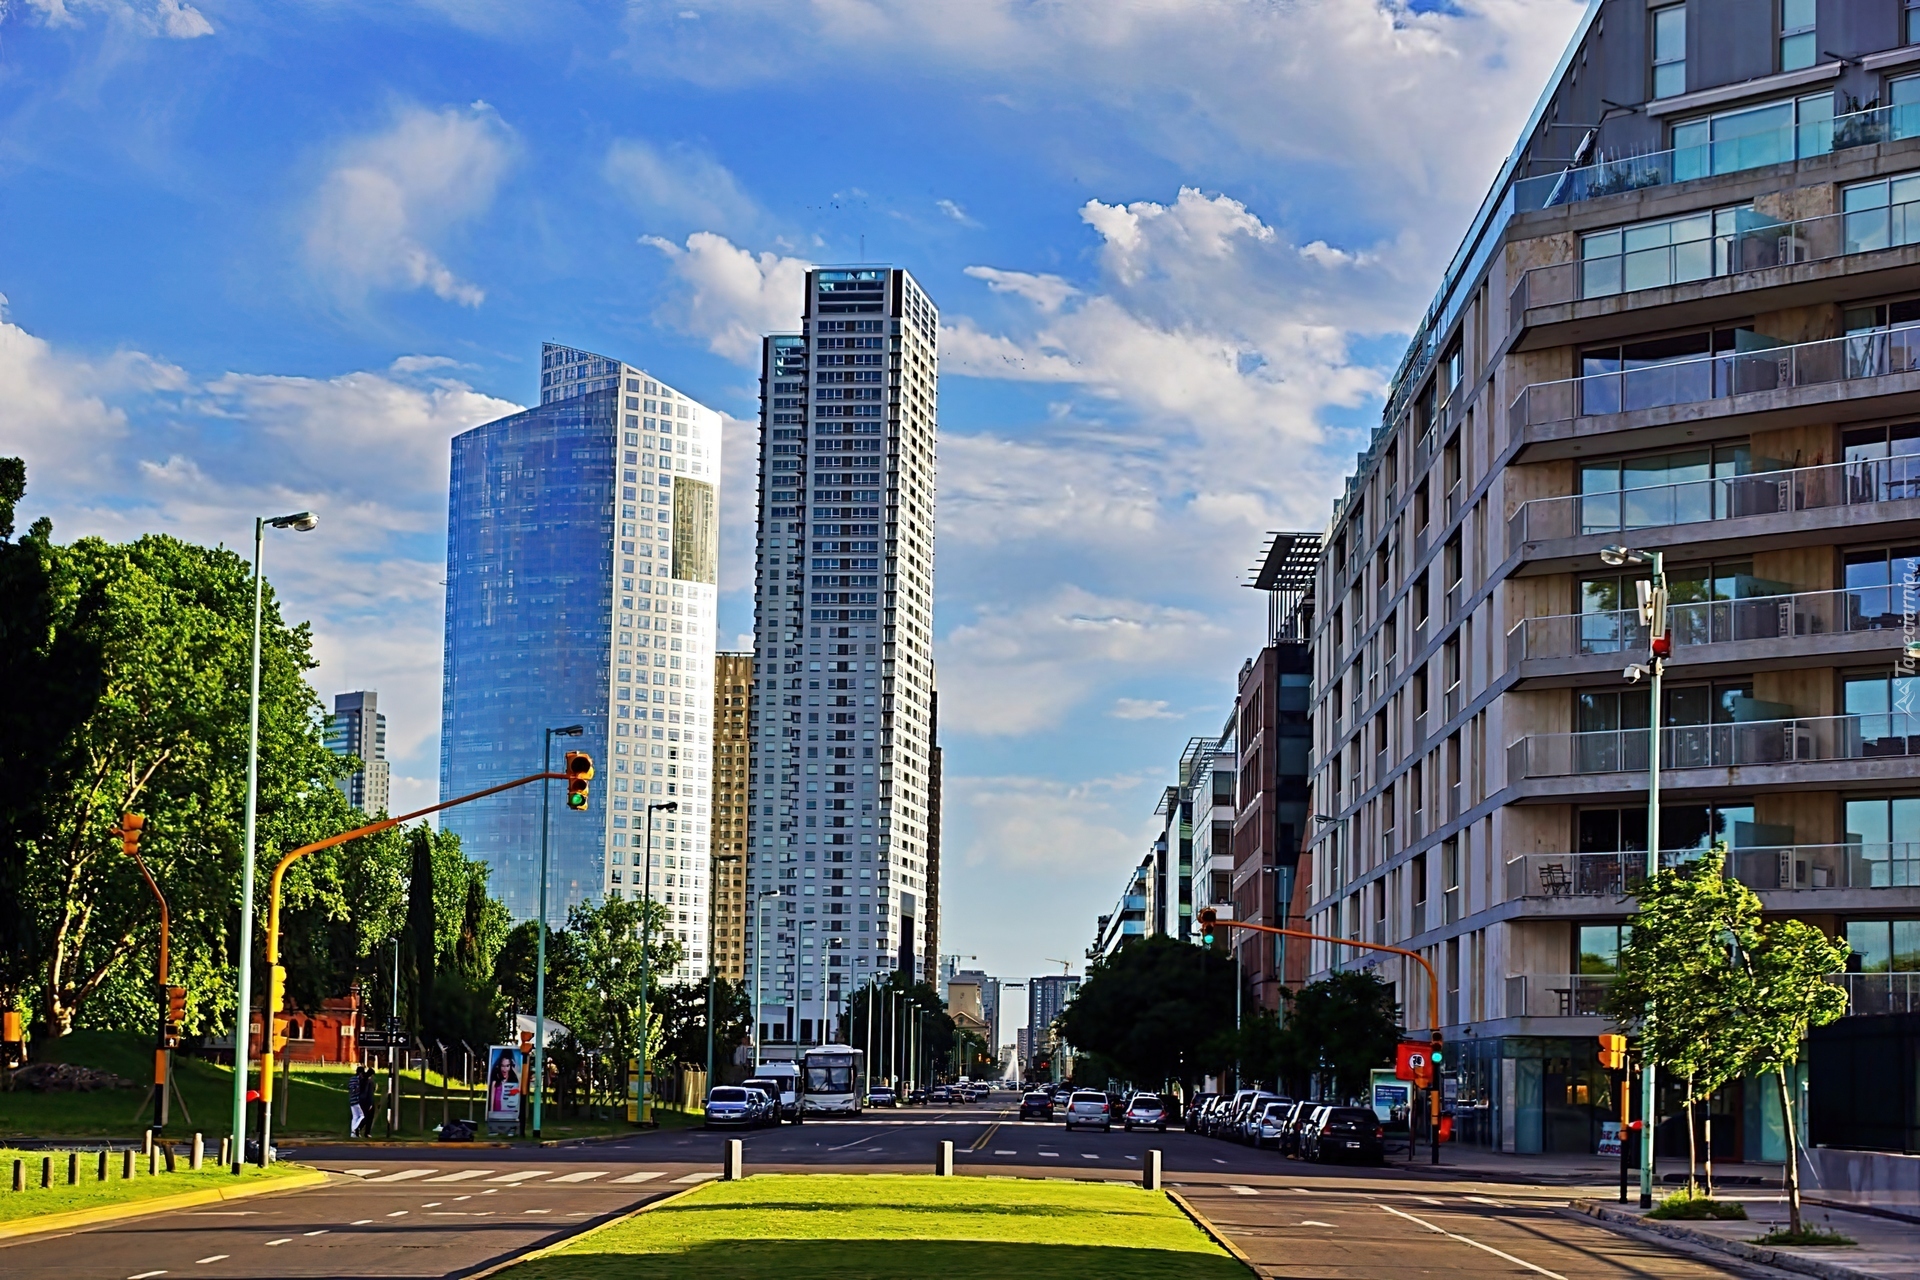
[1066, 966]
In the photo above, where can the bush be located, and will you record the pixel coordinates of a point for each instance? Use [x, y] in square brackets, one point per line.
[1806, 1235]
[1687, 1206]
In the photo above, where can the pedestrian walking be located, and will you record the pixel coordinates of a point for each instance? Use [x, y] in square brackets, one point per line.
[359, 1099]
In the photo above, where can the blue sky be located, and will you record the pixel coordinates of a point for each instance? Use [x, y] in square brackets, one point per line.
[258, 257]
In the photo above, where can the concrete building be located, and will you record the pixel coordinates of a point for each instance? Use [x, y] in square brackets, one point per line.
[989, 989]
[1132, 916]
[582, 569]
[1697, 336]
[842, 714]
[727, 830]
[358, 728]
[1046, 997]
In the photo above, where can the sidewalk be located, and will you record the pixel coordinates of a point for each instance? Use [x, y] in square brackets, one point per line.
[1577, 1170]
[1886, 1249]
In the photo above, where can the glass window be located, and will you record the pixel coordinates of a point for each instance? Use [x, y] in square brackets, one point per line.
[1881, 585]
[1882, 213]
[1798, 43]
[1771, 133]
[1657, 489]
[1598, 947]
[1883, 946]
[1669, 51]
[1912, 21]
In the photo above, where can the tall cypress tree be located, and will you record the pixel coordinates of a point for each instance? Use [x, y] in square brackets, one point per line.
[420, 931]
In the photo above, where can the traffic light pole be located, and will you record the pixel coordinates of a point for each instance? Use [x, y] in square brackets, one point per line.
[276, 982]
[129, 829]
[1211, 920]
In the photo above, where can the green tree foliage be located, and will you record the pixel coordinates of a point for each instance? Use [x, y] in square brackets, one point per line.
[1338, 1030]
[683, 1019]
[594, 973]
[1158, 1009]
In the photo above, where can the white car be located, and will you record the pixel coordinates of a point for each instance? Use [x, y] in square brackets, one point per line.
[1090, 1109]
[1147, 1111]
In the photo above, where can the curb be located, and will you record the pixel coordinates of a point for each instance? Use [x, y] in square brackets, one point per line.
[395, 1144]
[156, 1204]
[1213, 1233]
[591, 1229]
[1629, 1223]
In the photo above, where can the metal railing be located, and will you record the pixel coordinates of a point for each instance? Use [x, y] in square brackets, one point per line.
[1857, 737]
[1806, 613]
[1718, 376]
[1760, 493]
[1755, 248]
[1763, 869]
[1557, 995]
[1872, 993]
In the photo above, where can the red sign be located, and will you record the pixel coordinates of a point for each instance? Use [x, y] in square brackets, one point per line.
[1412, 1063]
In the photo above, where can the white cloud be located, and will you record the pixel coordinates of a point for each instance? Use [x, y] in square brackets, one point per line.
[679, 186]
[1043, 291]
[390, 197]
[958, 214]
[735, 296]
[1067, 831]
[1142, 709]
[167, 19]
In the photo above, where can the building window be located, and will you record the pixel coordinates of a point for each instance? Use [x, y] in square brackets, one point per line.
[1651, 255]
[1882, 213]
[1771, 133]
[1669, 51]
[1598, 947]
[1883, 946]
[1798, 43]
[1912, 22]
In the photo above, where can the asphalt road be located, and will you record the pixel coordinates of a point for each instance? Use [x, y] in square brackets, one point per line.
[448, 1212]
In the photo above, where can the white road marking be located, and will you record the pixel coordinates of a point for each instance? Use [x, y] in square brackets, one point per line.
[402, 1176]
[218, 1257]
[360, 1222]
[537, 1211]
[1006, 1153]
[281, 1240]
[146, 1275]
[1429, 1200]
[1242, 1191]
[639, 1177]
[1521, 1262]
[1218, 1160]
[461, 1176]
[1133, 1157]
[524, 1175]
[1088, 1155]
[398, 1213]
[357, 1173]
[490, 1191]
[1483, 1200]
[1051, 1154]
[1309, 1222]
[856, 1142]
[431, 1204]
[698, 1177]
[322, 1231]
[586, 1176]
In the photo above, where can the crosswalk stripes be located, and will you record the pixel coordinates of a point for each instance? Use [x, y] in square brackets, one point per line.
[519, 1176]
[461, 1176]
[705, 1176]
[402, 1176]
[647, 1176]
[584, 1175]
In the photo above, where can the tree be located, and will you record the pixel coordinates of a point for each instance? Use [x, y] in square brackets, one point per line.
[1677, 980]
[1785, 996]
[1159, 1009]
[1339, 1029]
[683, 1018]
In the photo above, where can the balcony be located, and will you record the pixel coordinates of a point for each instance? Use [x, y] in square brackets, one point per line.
[1773, 869]
[1794, 506]
[1641, 287]
[1859, 375]
[1872, 993]
[1779, 750]
[1746, 632]
[1557, 995]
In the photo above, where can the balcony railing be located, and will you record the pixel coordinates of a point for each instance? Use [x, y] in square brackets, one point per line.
[1871, 993]
[1767, 869]
[1807, 613]
[1860, 737]
[1754, 248]
[1698, 379]
[1557, 995]
[1760, 493]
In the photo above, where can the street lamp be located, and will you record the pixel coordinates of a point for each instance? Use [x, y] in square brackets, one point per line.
[299, 522]
[759, 963]
[540, 936]
[826, 960]
[646, 962]
[1653, 615]
[713, 876]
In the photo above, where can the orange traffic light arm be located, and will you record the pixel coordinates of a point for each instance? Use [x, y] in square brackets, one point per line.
[1433, 982]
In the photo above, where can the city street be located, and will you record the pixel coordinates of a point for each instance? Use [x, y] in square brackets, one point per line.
[443, 1212]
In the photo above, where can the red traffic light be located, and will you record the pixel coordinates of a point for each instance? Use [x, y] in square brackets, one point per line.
[579, 771]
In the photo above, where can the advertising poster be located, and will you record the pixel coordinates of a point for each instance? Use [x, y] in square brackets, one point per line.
[504, 1075]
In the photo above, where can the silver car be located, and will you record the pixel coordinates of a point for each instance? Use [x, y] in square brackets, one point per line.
[1145, 1110]
[1089, 1109]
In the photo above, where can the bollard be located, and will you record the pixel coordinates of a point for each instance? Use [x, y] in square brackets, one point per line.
[103, 1166]
[226, 1150]
[199, 1153]
[46, 1172]
[146, 1143]
[731, 1173]
[19, 1175]
[1150, 1171]
[153, 1160]
[126, 1165]
[73, 1168]
[943, 1165]
[167, 1151]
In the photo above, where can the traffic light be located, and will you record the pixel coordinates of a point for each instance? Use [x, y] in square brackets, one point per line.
[277, 988]
[1613, 1052]
[128, 829]
[279, 1032]
[579, 770]
[1437, 1055]
[1206, 916]
[176, 1015]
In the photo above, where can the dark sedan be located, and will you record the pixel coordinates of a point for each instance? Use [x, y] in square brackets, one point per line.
[1036, 1106]
[1350, 1133]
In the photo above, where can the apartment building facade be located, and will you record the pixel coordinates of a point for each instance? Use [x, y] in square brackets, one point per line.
[1686, 320]
[727, 830]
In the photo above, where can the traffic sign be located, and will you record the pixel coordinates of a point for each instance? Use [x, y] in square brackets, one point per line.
[373, 1040]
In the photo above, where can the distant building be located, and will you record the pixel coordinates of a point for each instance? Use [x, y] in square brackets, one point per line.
[1131, 917]
[358, 728]
[1046, 997]
[1023, 1048]
[727, 838]
[989, 999]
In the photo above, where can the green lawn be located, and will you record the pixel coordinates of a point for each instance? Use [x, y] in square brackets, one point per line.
[316, 1103]
[89, 1192]
[905, 1226]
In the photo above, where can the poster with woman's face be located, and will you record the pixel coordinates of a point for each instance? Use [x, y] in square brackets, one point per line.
[503, 1083]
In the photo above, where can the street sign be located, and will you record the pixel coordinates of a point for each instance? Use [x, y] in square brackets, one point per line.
[373, 1040]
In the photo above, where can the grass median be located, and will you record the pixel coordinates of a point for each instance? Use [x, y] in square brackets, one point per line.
[89, 1192]
[904, 1226]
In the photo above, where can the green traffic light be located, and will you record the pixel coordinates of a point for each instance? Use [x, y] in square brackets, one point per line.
[577, 800]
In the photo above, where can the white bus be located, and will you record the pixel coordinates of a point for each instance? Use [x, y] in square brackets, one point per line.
[830, 1080]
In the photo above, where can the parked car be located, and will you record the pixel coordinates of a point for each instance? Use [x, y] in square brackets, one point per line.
[1267, 1125]
[1226, 1116]
[1037, 1106]
[1249, 1114]
[916, 1097]
[940, 1093]
[1308, 1136]
[1088, 1109]
[1196, 1107]
[1350, 1133]
[1296, 1117]
[881, 1096]
[731, 1105]
[767, 1095]
[1145, 1111]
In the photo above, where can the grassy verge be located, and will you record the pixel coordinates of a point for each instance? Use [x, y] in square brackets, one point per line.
[904, 1226]
[1682, 1206]
[1805, 1236]
[89, 1193]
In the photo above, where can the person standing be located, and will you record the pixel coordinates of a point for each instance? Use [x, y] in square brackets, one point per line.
[359, 1097]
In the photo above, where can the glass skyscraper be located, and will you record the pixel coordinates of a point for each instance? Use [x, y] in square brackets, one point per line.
[582, 569]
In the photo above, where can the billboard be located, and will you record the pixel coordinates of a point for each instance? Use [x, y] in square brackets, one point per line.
[505, 1072]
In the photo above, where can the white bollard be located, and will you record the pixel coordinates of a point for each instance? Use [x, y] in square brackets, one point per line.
[199, 1152]
[731, 1172]
[1150, 1171]
[943, 1166]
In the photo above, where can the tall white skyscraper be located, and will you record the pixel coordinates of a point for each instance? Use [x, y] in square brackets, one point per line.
[844, 678]
[582, 573]
[359, 728]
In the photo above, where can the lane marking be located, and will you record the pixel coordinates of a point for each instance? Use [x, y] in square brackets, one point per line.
[1519, 1262]
[1301, 1190]
[536, 1211]
[357, 1173]
[1218, 1160]
[1006, 1153]
[1052, 1155]
[398, 1213]
[431, 1204]
[218, 1257]
[403, 1176]
[588, 1176]
[523, 1175]
[699, 1177]
[1429, 1200]
[146, 1275]
[985, 1137]
[639, 1177]
[360, 1222]
[322, 1231]
[1309, 1222]
[1483, 1200]
[856, 1142]
[1133, 1157]
[1242, 1191]
[461, 1176]
[281, 1240]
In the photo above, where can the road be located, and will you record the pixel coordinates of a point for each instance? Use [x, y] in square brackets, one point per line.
[448, 1212]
